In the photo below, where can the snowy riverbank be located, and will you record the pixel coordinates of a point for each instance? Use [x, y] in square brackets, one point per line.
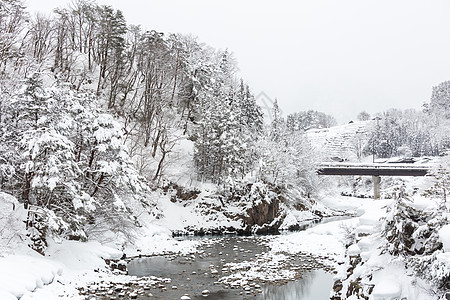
[67, 265]
[354, 247]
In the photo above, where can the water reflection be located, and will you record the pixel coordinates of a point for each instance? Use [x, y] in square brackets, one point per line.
[314, 285]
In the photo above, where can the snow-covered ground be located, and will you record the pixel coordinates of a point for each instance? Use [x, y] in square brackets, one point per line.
[67, 265]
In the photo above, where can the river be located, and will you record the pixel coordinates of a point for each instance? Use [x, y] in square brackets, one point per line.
[236, 267]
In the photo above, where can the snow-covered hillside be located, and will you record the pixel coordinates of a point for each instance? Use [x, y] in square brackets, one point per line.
[343, 142]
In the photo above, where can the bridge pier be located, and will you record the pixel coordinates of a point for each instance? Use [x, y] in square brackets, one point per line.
[376, 186]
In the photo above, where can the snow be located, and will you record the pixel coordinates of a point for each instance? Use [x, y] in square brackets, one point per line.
[26, 273]
[324, 239]
[387, 288]
[444, 236]
[423, 203]
[12, 231]
[387, 273]
[295, 217]
[155, 239]
[365, 243]
[81, 256]
[349, 204]
[31, 276]
[327, 239]
[365, 229]
[444, 258]
[353, 250]
[340, 141]
[177, 216]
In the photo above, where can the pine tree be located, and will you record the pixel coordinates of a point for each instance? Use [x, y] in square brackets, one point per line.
[276, 124]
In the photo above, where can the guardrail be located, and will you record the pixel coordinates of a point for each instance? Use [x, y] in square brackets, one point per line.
[372, 169]
[373, 166]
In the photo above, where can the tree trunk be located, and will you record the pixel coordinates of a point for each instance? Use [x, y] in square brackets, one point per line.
[26, 191]
[158, 170]
[99, 181]
[176, 75]
[155, 143]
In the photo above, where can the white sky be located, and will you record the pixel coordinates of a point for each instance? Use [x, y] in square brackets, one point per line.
[339, 57]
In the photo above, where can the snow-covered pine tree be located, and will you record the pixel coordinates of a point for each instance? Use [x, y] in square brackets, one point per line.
[223, 147]
[277, 124]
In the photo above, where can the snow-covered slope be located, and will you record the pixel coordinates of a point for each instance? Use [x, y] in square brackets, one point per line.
[344, 142]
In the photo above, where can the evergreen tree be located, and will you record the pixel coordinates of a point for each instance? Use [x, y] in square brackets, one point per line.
[276, 131]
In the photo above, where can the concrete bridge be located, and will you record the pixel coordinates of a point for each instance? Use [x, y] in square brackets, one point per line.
[376, 170]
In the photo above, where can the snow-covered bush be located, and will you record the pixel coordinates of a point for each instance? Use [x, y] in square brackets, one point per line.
[410, 231]
[413, 235]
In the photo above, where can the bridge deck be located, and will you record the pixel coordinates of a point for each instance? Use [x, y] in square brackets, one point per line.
[373, 169]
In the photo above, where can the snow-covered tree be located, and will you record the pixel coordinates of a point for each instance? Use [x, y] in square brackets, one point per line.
[287, 159]
[398, 131]
[411, 235]
[363, 116]
[229, 124]
[277, 124]
[67, 160]
[302, 121]
[440, 99]
[12, 22]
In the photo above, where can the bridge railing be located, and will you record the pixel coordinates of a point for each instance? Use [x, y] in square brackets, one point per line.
[373, 166]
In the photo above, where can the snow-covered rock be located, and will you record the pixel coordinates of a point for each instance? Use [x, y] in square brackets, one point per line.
[353, 250]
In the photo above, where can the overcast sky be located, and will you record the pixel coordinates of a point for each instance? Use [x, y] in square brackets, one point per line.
[339, 57]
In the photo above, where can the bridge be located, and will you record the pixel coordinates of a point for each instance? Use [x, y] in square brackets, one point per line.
[376, 170]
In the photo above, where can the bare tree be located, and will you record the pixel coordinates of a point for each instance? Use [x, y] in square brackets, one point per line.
[363, 116]
[12, 23]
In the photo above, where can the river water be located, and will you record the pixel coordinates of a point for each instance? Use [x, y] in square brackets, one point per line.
[235, 267]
